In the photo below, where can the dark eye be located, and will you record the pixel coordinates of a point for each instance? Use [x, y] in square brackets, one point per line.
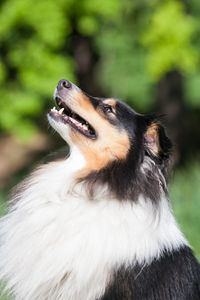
[107, 108]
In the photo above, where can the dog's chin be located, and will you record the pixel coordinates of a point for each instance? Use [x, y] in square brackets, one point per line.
[61, 128]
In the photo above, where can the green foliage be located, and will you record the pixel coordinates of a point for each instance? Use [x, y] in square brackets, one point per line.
[122, 69]
[87, 22]
[168, 40]
[121, 65]
[149, 39]
[185, 191]
[137, 43]
[15, 109]
[31, 34]
[3, 200]
[36, 52]
[192, 89]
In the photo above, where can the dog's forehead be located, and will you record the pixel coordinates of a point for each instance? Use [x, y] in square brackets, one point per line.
[119, 104]
[123, 105]
[125, 113]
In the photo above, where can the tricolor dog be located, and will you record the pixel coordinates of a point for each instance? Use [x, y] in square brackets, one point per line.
[98, 224]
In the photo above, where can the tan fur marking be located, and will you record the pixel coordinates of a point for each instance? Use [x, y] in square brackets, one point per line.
[99, 153]
[111, 102]
[81, 101]
[152, 139]
[112, 143]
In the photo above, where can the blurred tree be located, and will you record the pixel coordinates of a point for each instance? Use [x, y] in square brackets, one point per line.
[35, 51]
[148, 40]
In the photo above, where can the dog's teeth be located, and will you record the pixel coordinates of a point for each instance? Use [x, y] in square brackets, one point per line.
[61, 110]
[54, 109]
[79, 124]
[74, 121]
[85, 127]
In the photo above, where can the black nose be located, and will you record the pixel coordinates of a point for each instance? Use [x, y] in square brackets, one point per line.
[63, 83]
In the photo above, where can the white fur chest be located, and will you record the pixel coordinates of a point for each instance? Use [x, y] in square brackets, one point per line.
[57, 245]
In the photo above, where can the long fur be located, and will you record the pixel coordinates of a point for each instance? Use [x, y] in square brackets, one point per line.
[57, 244]
[72, 238]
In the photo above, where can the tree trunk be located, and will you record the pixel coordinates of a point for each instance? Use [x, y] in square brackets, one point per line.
[170, 102]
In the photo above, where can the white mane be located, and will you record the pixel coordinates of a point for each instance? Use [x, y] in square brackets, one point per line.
[56, 244]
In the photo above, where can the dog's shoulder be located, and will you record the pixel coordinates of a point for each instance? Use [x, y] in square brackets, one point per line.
[174, 276]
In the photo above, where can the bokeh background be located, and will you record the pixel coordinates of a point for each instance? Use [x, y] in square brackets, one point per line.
[146, 52]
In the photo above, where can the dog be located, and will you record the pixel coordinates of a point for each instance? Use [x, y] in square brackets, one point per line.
[98, 224]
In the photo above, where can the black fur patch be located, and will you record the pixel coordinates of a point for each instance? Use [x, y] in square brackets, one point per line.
[126, 181]
[124, 178]
[175, 276]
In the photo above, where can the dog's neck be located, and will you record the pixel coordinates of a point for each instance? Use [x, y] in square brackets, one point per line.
[77, 243]
[151, 227]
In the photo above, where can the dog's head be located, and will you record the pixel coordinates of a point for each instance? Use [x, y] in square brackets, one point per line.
[107, 131]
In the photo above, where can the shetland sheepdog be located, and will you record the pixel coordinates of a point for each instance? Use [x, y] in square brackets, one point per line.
[97, 224]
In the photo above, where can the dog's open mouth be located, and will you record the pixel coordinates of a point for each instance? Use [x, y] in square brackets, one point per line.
[66, 115]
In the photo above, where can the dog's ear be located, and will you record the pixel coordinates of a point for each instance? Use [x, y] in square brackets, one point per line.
[156, 140]
[151, 138]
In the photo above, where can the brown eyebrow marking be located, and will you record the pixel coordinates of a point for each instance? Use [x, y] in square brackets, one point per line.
[111, 102]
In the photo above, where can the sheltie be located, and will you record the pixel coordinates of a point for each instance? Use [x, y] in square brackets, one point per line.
[98, 224]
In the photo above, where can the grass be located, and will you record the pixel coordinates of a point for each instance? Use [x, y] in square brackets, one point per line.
[2, 212]
[185, 195]
[2, 203]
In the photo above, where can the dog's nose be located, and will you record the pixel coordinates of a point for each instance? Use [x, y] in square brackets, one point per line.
[63, 83]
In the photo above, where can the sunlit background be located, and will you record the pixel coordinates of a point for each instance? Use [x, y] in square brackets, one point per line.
[146, 52]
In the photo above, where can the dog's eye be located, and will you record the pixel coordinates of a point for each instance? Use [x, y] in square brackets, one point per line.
[107, 109]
